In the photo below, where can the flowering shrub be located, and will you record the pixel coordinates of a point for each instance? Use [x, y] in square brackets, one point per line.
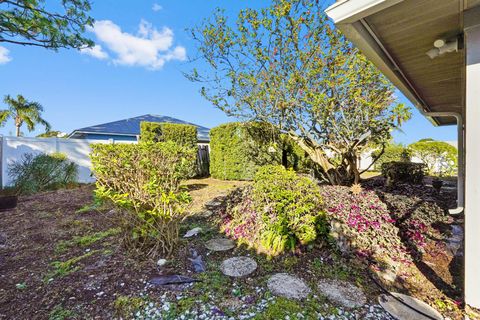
[280, 211]
[361, 223]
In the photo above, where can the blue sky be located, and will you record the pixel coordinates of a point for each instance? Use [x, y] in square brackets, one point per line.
[117, 81]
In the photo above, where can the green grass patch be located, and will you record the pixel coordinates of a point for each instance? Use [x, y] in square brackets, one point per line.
[63, 268]
[85, 241]
[60, 313]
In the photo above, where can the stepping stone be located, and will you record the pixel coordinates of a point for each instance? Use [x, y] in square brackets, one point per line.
[193, 232]
[285, 285]
[220, 244]
[213, 203]
[398, 310]
[238, 266]
[342, 292]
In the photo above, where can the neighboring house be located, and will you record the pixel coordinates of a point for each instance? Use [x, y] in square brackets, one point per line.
[129, 129]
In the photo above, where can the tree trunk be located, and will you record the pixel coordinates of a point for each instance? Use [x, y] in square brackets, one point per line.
[18, 124]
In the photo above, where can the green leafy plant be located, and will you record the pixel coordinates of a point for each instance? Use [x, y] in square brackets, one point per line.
[41, 172]
[144, 179]
[280, 211]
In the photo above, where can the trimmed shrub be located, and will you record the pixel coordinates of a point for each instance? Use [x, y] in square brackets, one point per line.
[41, 172]
[238, 149]
[184, 135]
[144, 179]
[403, 172]
[150, 131]
[280, 211]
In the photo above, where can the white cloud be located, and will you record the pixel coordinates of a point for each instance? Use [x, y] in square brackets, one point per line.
[4, 55]
[156, 7]
[150, 47]
[96, 51]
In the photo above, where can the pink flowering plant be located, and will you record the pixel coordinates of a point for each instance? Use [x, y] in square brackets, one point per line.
[361, 223]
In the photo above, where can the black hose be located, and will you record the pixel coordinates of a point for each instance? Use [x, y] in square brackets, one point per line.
[396, 298]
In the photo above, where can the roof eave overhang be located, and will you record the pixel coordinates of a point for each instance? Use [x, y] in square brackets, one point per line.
[348, 16]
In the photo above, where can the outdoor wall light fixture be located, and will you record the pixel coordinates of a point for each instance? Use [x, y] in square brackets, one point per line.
[442, 46]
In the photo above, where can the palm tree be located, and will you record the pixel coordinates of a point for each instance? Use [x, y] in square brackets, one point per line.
[23, 111]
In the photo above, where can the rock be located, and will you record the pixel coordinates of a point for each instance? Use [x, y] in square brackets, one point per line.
[220, 244]
[197, 261]
[285, 285]
[238, 266]
[171, 279]
[161, 262]
[342, 292]
[206, 213]
[213, 203]
[398, 310]
[193, 232]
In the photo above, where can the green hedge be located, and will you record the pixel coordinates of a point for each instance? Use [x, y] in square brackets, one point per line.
[237, 149]
[184, 135]
[181, 134]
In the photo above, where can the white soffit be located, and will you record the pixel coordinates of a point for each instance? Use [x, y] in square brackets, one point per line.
[349, 11]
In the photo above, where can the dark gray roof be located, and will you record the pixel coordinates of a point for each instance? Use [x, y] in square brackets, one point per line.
[131, 126]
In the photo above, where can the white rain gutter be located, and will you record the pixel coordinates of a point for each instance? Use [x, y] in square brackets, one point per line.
[460, 158]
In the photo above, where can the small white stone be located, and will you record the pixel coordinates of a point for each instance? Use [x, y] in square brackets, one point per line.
[161, 262]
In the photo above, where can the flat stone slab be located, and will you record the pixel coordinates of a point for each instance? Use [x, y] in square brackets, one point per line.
[400, 311]
[342, 292]
[192, 232]
[285, 285]
[220, 244]
[238, 266]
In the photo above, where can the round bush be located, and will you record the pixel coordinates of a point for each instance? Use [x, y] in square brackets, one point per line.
[278, 212]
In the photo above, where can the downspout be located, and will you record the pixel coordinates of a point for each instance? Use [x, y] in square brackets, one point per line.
[460, 158]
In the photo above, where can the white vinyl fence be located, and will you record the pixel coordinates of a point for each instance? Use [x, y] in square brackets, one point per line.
[77, 150]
